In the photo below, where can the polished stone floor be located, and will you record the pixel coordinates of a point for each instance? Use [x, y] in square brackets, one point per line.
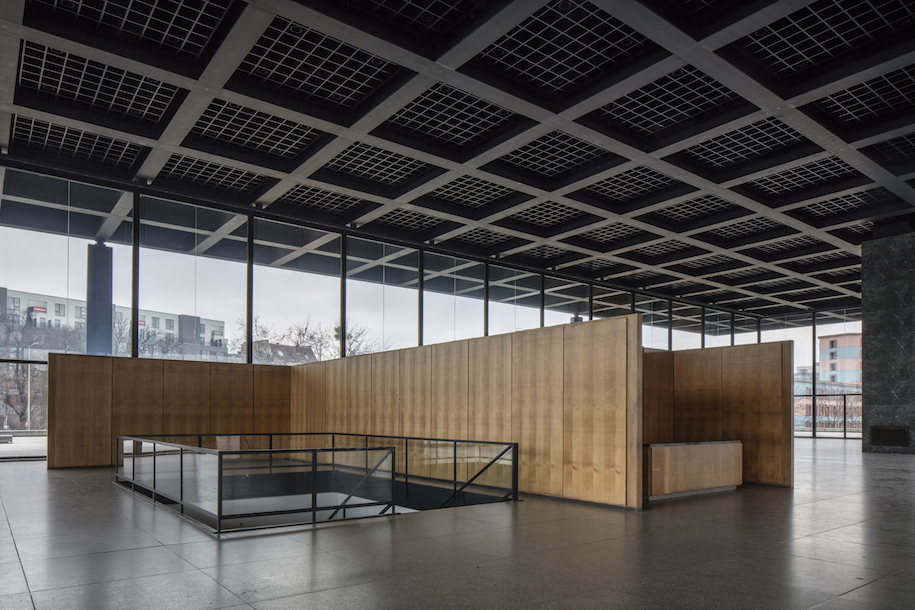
[843, 539]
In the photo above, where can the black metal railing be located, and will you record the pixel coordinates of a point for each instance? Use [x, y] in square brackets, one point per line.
[837, 415]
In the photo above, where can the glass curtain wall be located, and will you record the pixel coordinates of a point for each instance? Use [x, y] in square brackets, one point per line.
[746, 330]
[382, 306]
[838, 373]
[564, 301]
[609, 303]
[296, 294]
[453, 298]
[797, 328]
[687, 326]
[655, 329]
[717, 328]
[193, 282]
[65, 282]
[514, 300]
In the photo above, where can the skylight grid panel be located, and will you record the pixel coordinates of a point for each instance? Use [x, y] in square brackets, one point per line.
[471, 192]
[631, 184]
[826, 30]
[753, 226]
[611, 233]
[451, 115]
[213, 175]
[897, 149]
[547, 214]
[875, 100]
[861, 228]
[74, 143]
[743, 273]
[794, 243]
[418, 17]
[709, 261]
[849, 203]
[376, 164]
[681, 95]
[293, 57]
[181, 27]
[596, 265]
[320, 200]
[544, 252]
[82, 81]
[483, 237]
[696, 208]
[825, 258]
[409, 220]
[554, 154]
[565, 44]
[805, 176]
[662, 248]
[745, 143]
[254, 130]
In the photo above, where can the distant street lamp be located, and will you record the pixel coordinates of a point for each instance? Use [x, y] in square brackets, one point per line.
[28, 412]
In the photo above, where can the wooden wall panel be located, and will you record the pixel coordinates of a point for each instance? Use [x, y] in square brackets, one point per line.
[681, 468]
[595, 411]
[231, 398]
[537, 421]
[298, 397]
[416, 407]
[137, 396]
[272, 399]
[489, 400]
[336, 395]
[697, 395]
[658, 397]
[386, 394]
[757, 409]
[186, 397]
[359, 395]
[450, 379]
[634, 415]
[79, 411]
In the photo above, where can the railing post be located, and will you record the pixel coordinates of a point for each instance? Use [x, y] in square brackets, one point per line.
[181, 477]
[314, 486]
[219, 494]
[406, 467]
[515, 471]
[844, 415]
[456, 502]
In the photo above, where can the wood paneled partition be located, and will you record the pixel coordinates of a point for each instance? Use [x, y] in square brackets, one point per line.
[569, 395]
[741, 392]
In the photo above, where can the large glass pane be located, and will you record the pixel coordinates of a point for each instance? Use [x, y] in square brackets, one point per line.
[453, 292]
[514, 300]
[65, 267]
[609, 302]
[296, 294]
[564, 301]
[655, 332]
[746, 330]
[382, 308]
[838, 372]
[687, 326]
[797, 328]
[717, 328]
[24, 405]
[193, 282]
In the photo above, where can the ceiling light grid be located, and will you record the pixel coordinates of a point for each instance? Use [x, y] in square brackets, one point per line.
[611, 233]
[631, 184]
[294, 57]
[877, 197]
[825, 30]
[483, 237]
[747, 275]
[418, 17]
[547, 214]
[213, 175]
[376, 164]
[81, 81]
[897, 150]
[876, 100]
[544, 252]
[597, 264]
[795, 243]
[746, 228]
[248, 128]
[183, 28]
[745, 143]
[471, 192]
[554, 154]
[701, 207]
[409, 220]
[827, 258]
[74, 143]
[681, 95]
[861, 228]
[662, 249]
[641, 279]
[564, 45]
[450, 115]
[709, 261]
[805, 176]
[320, 200]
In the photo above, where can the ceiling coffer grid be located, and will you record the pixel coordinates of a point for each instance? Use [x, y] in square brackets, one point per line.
[471, 192]
[554, 154]
[213, 175]
[805, 176]
[547, 214]
[63, 141]
[247, 128]
[320, 200]
[631, 184]
[376, 164]
[745, 143]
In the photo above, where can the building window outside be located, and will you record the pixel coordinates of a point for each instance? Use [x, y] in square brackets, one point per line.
[833, 344]
[833, 378]
[12, 303]
[56, 323]
[833, 355]
[60, 309]
[169, 324]
[832, 366]
[80, 312]
[155, 322]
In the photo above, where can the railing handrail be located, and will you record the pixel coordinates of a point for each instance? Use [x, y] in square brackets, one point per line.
[408, 438]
